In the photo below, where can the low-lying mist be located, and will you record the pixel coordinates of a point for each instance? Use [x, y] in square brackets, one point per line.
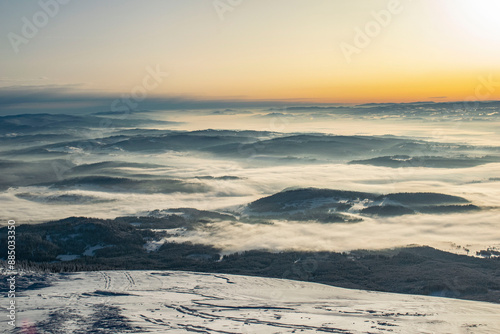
[455, 233]
[56, 166]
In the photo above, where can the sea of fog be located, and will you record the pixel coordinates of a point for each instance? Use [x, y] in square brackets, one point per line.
[107, 165]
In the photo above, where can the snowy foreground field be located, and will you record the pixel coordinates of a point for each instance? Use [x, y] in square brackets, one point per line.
[180, 302]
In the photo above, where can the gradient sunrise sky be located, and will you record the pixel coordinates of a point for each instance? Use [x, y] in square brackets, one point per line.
[258, 49]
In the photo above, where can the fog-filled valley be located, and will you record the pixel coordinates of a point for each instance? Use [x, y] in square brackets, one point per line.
[425, 172]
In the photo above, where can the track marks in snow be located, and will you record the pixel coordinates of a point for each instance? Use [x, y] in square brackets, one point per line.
[107, 280]
[253, 321]
[130, 280]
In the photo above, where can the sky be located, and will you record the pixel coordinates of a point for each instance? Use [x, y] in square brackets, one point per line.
[312, 51]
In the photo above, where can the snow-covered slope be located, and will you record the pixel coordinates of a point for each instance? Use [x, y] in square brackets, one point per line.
[180, 302]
